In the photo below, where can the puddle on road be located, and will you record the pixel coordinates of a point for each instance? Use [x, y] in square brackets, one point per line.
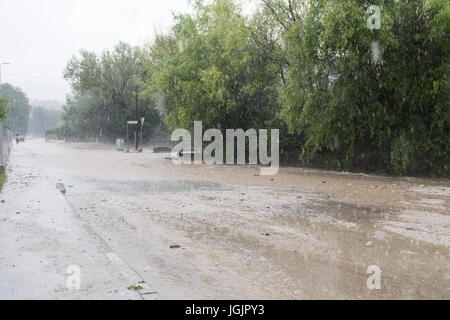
[312, 248]
[132, 187]
[92, 146]
[343, 211]
[295, 243]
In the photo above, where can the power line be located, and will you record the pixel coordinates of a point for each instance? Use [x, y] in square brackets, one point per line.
[33, 76]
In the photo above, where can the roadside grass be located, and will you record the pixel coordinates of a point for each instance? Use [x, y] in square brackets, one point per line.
[135, 288]
[2, 180]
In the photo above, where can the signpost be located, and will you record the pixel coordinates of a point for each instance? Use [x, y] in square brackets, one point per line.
[140, 140]
[128, 138]
[137, 139]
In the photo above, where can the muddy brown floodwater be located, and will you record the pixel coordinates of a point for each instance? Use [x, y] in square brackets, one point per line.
[207, 232]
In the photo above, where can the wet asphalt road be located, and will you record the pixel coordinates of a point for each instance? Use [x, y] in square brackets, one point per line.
[139, 227]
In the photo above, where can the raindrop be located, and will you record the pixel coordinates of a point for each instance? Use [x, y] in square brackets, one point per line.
[376, 52]
[181, 45]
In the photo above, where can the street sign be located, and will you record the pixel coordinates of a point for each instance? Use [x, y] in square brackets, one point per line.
[132, 122]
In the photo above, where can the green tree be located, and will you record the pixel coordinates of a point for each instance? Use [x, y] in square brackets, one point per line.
[345, 96]
[107, 93]
[214, 71]
[357, 110]
[19, 107]
[3, 109]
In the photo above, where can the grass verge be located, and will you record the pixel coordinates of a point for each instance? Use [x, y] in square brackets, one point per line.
[2, 180]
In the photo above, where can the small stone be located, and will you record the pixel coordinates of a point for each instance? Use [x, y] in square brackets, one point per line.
[175, 246]
[61, 187]
[369, 244]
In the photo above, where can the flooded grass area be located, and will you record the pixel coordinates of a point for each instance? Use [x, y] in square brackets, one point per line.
[2, 180]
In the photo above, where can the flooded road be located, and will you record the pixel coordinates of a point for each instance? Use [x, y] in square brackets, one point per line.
[216, 232]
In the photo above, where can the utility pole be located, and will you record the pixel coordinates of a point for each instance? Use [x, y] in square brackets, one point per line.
[137, 117]
[128, 146]
[142, 126]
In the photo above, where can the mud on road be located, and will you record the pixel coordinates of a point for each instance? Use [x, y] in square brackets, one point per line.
[207, 232]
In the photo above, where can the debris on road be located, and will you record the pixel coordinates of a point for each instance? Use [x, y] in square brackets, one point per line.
[60, 186]
[135, 288]
[322, 235]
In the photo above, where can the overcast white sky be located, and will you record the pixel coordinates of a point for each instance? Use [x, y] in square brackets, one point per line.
[39, 36]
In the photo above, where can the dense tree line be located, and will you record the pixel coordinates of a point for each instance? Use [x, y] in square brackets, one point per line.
[344, 95]
[16, 110]
[107, 92]
[3, 109]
